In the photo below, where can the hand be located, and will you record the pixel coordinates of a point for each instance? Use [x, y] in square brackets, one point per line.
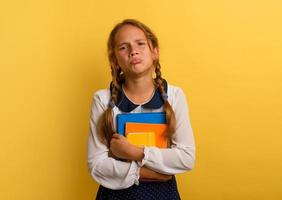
[121, 148]
[147, 174]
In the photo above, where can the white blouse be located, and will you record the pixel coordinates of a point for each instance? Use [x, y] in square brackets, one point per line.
[117, 174]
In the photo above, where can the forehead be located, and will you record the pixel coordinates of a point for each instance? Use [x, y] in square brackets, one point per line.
[128, 33]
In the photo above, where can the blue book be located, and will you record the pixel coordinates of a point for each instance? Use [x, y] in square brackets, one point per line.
[150, 118]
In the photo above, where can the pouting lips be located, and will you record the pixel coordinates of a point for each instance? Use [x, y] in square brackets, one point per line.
[135, 61]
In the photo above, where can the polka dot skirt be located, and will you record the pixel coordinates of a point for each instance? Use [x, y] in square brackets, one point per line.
[144, 191]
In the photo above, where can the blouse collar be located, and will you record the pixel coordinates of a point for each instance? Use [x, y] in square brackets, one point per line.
[125, 105]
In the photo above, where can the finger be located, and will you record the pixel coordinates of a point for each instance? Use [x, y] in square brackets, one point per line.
[113, 140]
[116, 136]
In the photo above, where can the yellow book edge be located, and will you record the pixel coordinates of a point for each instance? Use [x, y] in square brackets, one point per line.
[141, 138]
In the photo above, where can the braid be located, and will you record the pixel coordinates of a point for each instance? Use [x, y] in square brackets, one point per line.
[105, 123]
[170, 116]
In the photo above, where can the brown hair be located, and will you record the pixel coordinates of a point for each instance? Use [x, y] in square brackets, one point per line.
[105, 123]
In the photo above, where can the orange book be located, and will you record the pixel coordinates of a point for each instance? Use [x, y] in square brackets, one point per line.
[160, 131]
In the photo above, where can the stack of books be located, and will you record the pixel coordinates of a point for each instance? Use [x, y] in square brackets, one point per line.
[144, 129]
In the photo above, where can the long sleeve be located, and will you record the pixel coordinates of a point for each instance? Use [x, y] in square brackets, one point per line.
[107, 171]
[180, 157]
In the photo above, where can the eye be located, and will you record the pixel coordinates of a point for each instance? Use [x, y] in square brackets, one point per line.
[122, 48]
[141, 43]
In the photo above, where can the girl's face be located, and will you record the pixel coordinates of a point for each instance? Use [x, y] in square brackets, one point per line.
[133, 53]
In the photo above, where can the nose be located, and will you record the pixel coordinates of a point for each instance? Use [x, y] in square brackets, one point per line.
[133, 52]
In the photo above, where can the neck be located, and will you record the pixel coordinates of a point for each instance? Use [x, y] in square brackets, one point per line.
[139, 90]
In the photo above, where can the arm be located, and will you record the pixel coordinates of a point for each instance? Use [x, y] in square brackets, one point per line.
[121, 148]
[147, 174]
[180, 157]
[107, 171]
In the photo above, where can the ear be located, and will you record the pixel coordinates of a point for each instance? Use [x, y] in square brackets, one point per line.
[155, 53]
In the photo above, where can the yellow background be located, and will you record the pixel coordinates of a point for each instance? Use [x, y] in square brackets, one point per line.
[226, 55]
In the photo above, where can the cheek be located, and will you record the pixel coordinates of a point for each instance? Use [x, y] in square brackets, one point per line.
[122, 60]
[122, 56]
[119, 58]
[149, 56]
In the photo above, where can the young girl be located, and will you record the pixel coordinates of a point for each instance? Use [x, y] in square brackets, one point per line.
[125, 171]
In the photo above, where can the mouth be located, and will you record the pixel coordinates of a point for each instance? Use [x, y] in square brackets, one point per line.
[135, 61]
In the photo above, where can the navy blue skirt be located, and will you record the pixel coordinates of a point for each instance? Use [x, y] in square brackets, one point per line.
[144, 191]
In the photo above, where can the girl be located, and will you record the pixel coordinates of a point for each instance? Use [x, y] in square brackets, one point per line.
[125, 171]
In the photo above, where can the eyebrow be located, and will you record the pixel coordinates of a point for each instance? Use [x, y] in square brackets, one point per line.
[138, 40]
